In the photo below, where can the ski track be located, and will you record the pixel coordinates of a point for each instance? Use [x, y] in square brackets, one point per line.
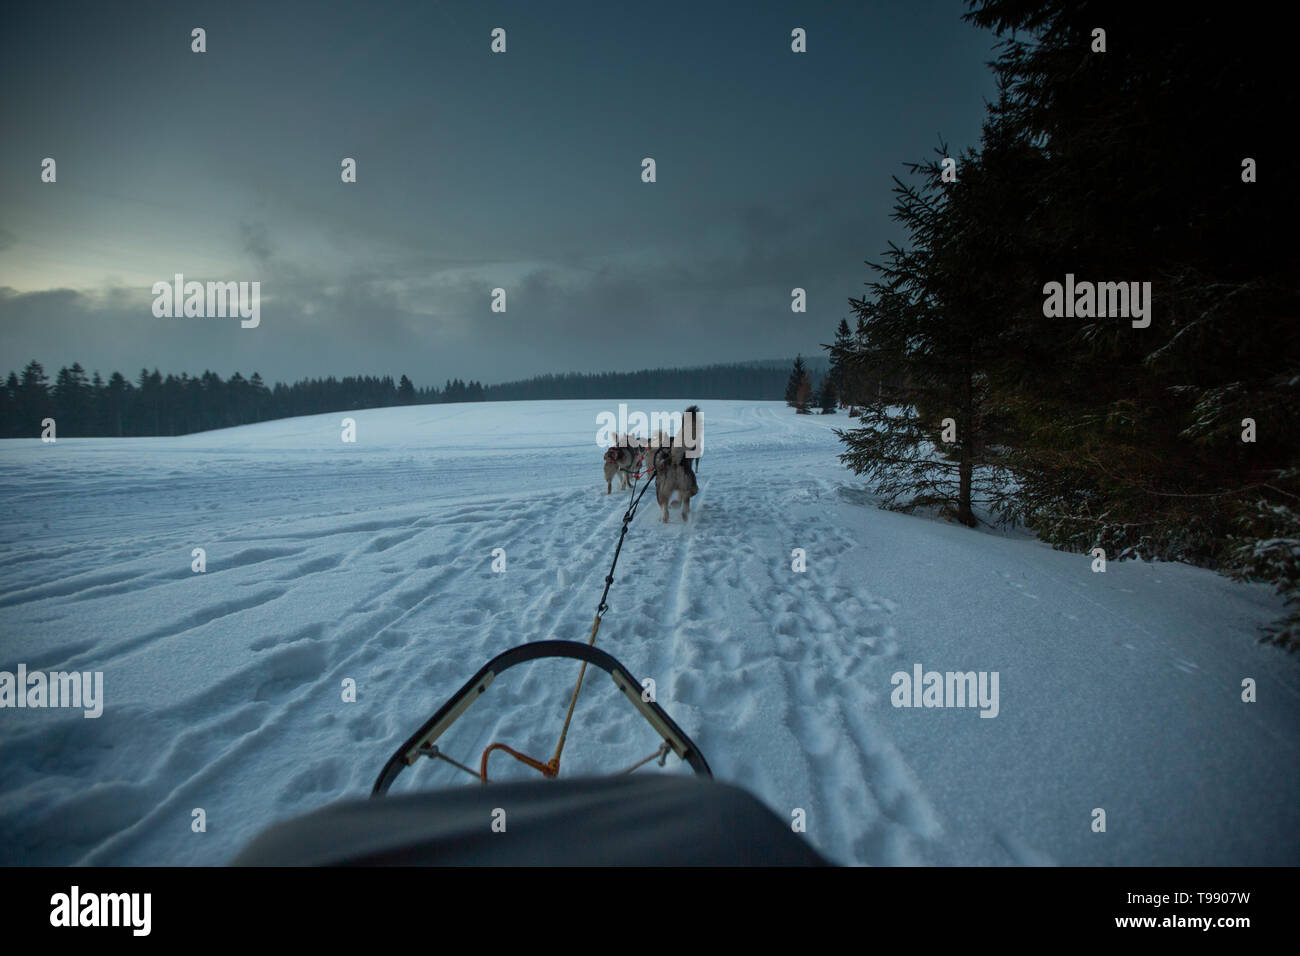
[880, 816]
[225, 688]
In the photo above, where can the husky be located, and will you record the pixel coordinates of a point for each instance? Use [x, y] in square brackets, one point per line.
[622, 459]
[673, 473]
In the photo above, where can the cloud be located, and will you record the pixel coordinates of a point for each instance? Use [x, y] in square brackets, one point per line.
[255, 241]
[720, 294]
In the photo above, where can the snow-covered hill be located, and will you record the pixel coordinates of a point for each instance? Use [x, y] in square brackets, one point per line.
[373, 561]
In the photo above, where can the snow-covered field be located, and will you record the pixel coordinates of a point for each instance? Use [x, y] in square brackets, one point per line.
[373, 561]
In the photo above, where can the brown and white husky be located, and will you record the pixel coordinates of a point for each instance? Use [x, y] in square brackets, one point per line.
[674, 474]
[622, 459]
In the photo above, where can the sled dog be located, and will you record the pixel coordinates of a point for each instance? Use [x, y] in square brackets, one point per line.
[622, 459]
[673, 473]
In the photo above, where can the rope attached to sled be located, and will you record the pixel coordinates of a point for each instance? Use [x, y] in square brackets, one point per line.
[552, 767]
[522, 758]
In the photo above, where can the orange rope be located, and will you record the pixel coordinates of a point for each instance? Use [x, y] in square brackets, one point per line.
[546, 769]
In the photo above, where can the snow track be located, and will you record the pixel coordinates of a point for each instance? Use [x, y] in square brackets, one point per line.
[329, 562]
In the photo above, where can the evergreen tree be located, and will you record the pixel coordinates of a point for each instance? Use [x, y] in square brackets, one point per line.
[803, 396]
[239, 400]
[842, 347]
[117, 397]
[72, 401]
[826, 397]
[259, 396]
[927, 320]
[96, 421]
[405, 392]
[1131, 438]
[146, 416]
[797, 376]
[33, 402]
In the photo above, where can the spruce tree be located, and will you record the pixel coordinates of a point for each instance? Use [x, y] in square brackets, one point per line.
[797, 376]
[839, 350]
[72, 401]
[927, 322]
[260, 397]
[116, 395]
[826, 396]
[33, 402]
[803, 396]
[1132, 438]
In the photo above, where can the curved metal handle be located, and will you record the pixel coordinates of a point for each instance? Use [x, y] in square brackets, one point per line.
[448, 713]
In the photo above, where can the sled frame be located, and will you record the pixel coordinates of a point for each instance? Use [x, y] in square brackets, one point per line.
[421, 743]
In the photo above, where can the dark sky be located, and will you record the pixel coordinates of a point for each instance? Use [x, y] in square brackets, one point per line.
[475, 170]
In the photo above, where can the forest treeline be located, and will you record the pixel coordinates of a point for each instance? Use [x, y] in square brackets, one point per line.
[154, 404]
[1001, 358]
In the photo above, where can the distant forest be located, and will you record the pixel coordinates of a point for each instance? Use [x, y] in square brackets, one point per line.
[180, 404]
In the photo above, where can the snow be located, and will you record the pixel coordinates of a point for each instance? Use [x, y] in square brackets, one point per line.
[373, 561]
